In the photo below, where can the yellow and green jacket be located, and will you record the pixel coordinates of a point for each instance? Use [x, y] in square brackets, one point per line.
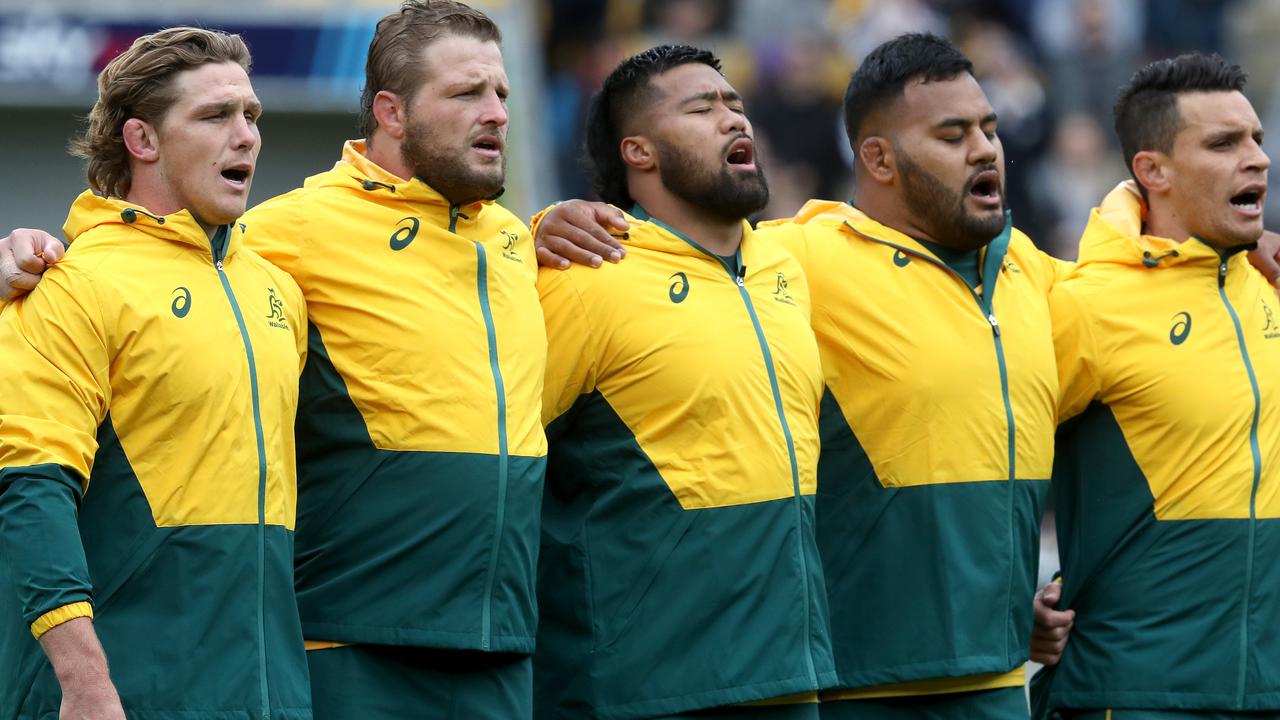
[937, 440]
[679, 567]
[1167, 481]
[147, 473]
[420, 445]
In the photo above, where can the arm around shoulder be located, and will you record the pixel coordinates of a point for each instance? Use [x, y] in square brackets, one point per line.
[579, 231]
[24, 255]
[572, 344]
[1075, 348]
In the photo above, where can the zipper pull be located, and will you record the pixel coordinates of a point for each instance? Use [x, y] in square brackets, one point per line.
[995, 324]
[218, 265]
[1222, 273]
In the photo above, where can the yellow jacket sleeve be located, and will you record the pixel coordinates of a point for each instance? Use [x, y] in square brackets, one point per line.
[273, 230]
[54, 393]
[790, 236]
[1076, 351]
[537, 219]
[572, 347]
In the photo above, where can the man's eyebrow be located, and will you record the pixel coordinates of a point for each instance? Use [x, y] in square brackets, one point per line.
[964, 123]
[223, 106]
[475, 83]
[712, 95]
[218, 105]
[1224, 136]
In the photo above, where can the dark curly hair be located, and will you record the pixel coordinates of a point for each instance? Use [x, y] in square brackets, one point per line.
[886, 70]
[625, 91]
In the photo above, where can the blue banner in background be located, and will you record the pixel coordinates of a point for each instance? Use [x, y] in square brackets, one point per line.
[47, 57]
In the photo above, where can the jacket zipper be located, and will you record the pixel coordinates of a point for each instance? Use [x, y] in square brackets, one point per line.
[1253, 495]
[986, 308]
[219, 254]
[482, 289]
[739, 279]
[738, 276]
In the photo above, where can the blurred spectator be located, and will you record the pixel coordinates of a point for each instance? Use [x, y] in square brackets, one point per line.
[758, 22]
[1075, 176]
[701, 23]
[1271, 145]
[1250, 28]
[1018, 96]
[580, 70]
[1091, 47]
[1178, 26]
[864, 24]
[688, 22]
[796, 112]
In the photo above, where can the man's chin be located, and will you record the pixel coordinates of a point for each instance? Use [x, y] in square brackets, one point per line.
[222, 215]
[1242, 236]
[490, 172]
[984, 212]
[992, 220]
[475, 186]
[486, 191]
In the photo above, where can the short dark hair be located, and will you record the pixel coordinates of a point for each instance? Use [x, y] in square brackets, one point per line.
[1146, 112]
[395, 54]
[886, 70]
[624, 93]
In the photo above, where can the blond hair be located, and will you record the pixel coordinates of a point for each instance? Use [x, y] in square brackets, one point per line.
[138, 83]
[395, 61]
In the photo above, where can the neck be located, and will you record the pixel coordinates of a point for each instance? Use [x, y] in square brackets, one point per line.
[1164, 220]
[147, 193]
[718, 235]
[384, 151]
[888, 210]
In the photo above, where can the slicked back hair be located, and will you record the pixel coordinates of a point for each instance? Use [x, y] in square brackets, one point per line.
[1146, 112]
[625, 93]
[139, 83]
[396, 62]
[886, 70]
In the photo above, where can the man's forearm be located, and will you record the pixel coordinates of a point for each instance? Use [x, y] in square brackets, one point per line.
[75, 653]
[81, 668]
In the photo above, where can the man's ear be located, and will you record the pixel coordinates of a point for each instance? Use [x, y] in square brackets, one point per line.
[875, 153]
[1153, 171]
[141, 140]
[638, 152]
[389, 112]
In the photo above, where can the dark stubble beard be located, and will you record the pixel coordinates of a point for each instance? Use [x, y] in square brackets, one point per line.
[726, 194]
[941, 210]
[444, 168]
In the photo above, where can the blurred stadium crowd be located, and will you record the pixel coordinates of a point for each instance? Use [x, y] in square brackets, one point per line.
[1050, 68]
